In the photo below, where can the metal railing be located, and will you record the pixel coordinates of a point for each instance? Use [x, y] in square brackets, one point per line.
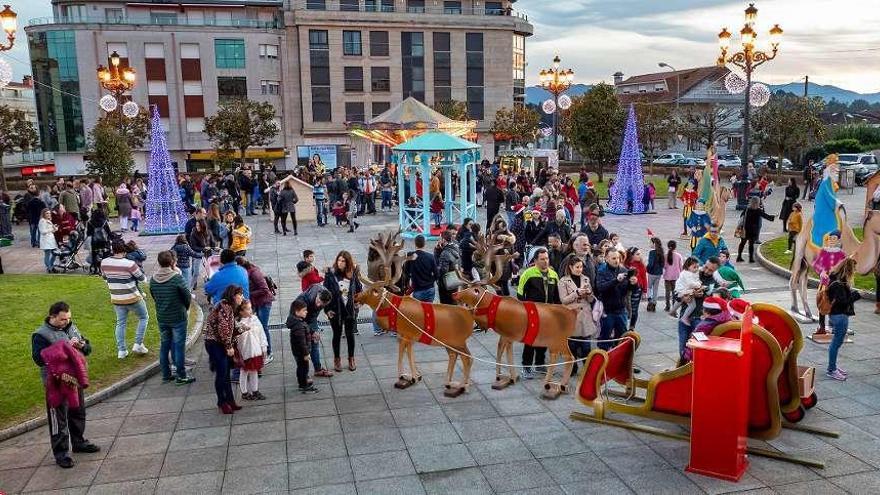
[318, 6]
[158, 21]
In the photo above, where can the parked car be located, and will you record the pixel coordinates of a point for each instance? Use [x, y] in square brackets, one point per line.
[668, 158]
[729, 161]
[864, 165]
[688, 162]
[761, 161]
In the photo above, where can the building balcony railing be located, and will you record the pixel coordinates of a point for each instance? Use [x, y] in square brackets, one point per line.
[158, 21]
[388, 8]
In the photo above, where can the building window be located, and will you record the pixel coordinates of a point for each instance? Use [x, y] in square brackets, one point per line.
[380, 107]
[229, 53]
[474, 71]
[519, 68]
[413, 64]
[379, 5]
[380, 79]
[229, 88]
[351, 43]
[114, 16]
[349, 5]
[268, 51]
[415, 6]
[354, 111]
[379, 43]
[270, 87]
[316, 5]
[321, 109]
[319, 59]
[163, 18]
[354, 79]
[195, 124]
[442, 67]
[494, 8]
[451, 7]
[73, 13]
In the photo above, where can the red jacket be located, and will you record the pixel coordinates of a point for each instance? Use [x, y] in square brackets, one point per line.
[641, 274]
[309, 275]
[62, 358]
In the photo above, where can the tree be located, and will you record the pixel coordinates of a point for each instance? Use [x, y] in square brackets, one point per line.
[594, 125]
[788, 123]
[109, 154]
[16, 134]
[656, 126]
[517, 125]
[455, 110]
[135, 129]
[709, 124]
[240, 124]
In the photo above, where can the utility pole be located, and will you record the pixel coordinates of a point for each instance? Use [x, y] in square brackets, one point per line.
[806, 86]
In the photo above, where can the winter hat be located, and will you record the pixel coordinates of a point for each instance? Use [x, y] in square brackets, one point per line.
[590, 184]
[715, 303]
[518, 208]
[737, 307]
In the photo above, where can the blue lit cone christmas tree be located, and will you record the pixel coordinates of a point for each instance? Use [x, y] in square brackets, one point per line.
[165, 213]
[629, 184]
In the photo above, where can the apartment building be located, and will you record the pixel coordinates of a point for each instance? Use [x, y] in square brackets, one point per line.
[319, 63]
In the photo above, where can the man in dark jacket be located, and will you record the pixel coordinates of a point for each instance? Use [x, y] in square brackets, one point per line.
[315, 298]
[34, 207]
[421, 269]
[594, 229]
[511, 199]
[66, 425]
[539, 283]
[613, 282]
[246, 185]
[299, 344]
[493, 198]
[173, 298]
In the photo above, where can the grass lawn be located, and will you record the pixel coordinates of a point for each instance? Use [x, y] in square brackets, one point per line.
[774, 250]
[602, 187]
[26, 300]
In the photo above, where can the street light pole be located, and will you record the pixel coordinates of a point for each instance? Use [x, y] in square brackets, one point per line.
[556, 81]
[9, 24]
[117, 80]
[677, 83]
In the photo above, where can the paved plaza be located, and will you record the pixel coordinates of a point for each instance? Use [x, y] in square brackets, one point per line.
[359, 435]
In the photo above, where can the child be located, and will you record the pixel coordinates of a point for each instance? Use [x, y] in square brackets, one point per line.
[299, 345]
[135, 216]
[795, 224]
[308, 274]
[134, 253]
[636, 265]
[338, 211]
[616, 244]
[251, 345]
[186, 256]
[437, 210]
[671, 271]
[686, 286]
[352, 214]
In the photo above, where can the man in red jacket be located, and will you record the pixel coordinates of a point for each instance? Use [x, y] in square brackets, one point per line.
[309, 275]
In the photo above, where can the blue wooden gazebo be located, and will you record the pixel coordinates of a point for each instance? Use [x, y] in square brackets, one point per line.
[422, 155]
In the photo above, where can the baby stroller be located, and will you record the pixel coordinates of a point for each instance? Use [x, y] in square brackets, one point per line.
[67, 256]
[19, 210]
[211, 262]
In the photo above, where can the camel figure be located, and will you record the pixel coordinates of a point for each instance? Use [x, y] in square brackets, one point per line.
[542, 325]
[415, 321]
[717, 204]
[866, 253]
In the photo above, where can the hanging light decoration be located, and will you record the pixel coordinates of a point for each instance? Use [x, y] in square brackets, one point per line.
[5, 73]
[130, 109]
[108, 103]
[565, 102]
[549, 106]
[734, 83]
[759, 95]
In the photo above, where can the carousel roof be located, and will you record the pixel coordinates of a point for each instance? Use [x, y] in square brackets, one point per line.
[436, 141]
[405, 120]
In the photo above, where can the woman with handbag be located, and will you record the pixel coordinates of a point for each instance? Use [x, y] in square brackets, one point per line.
[842, 297]
[448, 265]
[344, 285]
[823, 264]
[576, 293]
[751, 231]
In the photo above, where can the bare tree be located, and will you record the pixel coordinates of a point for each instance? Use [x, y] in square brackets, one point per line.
[709, 124]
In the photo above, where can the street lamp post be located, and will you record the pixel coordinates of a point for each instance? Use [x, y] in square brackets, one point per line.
[677, 83]
[747, 59]
[556, 81]
[9, 24]
[117, 80]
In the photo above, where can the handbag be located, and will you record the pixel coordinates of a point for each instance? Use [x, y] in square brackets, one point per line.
[451, 281]
[740, 232]
[598, 311]
[823, 302]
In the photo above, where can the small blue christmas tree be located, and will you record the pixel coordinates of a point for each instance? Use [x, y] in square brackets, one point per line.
[629, 185]
[165, 213]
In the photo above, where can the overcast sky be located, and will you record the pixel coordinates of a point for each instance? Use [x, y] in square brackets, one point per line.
[834, 41]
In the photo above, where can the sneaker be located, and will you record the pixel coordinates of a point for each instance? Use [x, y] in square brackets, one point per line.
[788, 251]
[843, 371]
[65, 462]
[258, 396]
[836, 375]
[167, 379]
[247, 396]
[310, 389]
[378, 333]
[269, 359]
[139, 349]
[185, 380]
[86, 448]
[528, 374]
[122, 354]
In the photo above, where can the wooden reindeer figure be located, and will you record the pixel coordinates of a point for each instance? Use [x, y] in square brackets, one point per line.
[536, 324]
[384, 251]
[416, 321]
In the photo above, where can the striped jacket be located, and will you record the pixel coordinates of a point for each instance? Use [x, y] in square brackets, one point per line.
[122, 276]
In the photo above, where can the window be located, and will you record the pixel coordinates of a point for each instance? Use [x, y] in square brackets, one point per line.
[413, 64]
[379, 5]
[163, 18]
[380, 107]
[380, 79]
[451, 7]
[270, 87]
[74, 13]
[354, 78]
[229, 88]
[494, 8]
[268, 51]
[195, 124]
[415, 6]
[349, 5]
[321, 110]
[351, 43]
[379, 43]
[316, 5]
[229, 53]
[442, 67]
[354, 111]
[474, 74]
[114, 15]
[519, 69]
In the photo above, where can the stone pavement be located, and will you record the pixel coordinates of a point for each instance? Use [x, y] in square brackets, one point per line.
[360, 435]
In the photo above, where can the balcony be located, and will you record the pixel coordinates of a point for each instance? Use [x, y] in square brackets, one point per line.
[382, 8]
[158, 21]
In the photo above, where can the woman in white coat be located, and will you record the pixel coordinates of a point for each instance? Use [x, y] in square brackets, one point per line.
[576, 293]
[47, 239]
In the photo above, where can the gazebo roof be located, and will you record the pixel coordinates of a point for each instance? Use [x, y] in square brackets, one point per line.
[436, 141]
[410, 114]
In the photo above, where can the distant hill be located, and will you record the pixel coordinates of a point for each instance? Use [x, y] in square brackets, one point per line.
[535, 95]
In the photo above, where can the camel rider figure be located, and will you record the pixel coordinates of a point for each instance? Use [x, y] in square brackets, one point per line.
[698, 223]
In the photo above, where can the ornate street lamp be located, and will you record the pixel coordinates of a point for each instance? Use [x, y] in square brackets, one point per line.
[9, 23]
[747, 59]
[556, 81]
[117, 80]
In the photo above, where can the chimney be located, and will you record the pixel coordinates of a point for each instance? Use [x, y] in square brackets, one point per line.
[27, 81]
[618, 78]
